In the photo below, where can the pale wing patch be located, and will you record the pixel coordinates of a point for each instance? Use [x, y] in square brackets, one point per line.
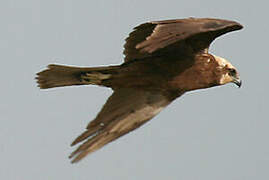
[137, 117]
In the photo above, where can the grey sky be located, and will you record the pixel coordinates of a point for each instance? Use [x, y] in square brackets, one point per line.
[219, 133]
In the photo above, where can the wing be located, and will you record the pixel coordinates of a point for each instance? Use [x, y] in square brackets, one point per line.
[159, 38]
[124, 111]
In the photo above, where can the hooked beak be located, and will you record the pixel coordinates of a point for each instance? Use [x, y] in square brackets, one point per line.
[237, 81]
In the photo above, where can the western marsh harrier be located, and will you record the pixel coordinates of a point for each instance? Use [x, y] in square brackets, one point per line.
[163, 60]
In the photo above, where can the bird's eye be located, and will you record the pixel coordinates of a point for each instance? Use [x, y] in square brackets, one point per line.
[232, 71]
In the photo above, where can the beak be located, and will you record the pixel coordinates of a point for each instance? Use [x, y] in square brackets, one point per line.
[237, 81]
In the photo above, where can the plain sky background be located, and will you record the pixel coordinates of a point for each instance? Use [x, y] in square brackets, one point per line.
[214, 134]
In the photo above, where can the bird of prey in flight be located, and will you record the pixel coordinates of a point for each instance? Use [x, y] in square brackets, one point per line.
[163, 60]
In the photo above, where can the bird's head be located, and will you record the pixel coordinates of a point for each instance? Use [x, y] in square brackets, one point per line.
[228, 72]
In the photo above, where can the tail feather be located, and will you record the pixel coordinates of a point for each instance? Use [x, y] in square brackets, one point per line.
[59, 75]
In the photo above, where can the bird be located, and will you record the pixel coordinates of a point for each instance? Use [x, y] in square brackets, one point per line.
[163, 60]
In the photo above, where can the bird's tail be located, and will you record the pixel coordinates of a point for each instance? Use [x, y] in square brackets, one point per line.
[59, 75]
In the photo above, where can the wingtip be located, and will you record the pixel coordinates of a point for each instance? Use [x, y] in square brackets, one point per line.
[75, 142]
[233, 24]
[78, 155]
[86, 134]
[72, 154]
[73, 160]
[237, 25]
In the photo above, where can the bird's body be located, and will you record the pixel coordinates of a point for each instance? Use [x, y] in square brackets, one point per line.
[166, 75]
[164, 59]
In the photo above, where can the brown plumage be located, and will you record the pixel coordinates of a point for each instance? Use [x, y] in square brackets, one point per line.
[163, 60]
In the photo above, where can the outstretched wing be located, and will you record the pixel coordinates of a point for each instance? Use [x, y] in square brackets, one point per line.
[159, 38]
[124, 111]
